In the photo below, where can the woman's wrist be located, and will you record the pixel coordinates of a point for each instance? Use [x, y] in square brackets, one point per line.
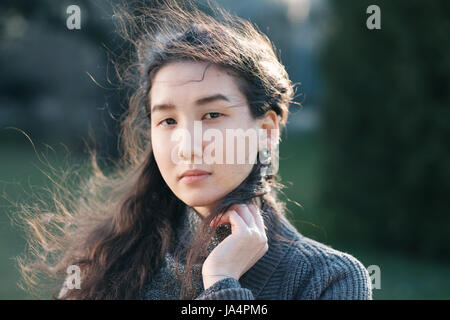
[209, 280]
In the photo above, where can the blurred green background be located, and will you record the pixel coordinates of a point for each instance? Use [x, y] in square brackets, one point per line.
[367, 156]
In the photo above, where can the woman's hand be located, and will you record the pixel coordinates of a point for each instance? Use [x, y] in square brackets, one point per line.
[238, 252]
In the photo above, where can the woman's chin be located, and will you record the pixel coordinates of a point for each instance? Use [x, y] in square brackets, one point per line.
[200, 200]
[197, 203]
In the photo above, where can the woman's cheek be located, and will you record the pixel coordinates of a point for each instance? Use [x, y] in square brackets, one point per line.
[162, 153]
[231, 176]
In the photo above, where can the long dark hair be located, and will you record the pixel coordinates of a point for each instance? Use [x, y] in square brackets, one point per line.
[118, 226]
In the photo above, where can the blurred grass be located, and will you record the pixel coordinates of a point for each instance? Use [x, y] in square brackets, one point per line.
[402, 277]
[20, 179]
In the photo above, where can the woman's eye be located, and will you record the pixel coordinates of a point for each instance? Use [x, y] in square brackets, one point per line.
[208, 116]
[168, 121]
[213, 115]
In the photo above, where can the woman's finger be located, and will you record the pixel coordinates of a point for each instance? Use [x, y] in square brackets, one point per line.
[246, 215]
[258, 217]
[234, 219]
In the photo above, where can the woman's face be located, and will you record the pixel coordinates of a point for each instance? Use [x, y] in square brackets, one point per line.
[190, 118]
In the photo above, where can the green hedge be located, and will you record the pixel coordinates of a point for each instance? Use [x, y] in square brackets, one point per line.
[386, 126]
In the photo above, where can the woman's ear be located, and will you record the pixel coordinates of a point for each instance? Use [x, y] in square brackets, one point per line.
[270, 123]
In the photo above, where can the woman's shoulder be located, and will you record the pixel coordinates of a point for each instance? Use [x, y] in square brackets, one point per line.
[325, 272]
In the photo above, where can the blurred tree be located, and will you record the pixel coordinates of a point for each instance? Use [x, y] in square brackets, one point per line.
[386, 126]
[46, 87]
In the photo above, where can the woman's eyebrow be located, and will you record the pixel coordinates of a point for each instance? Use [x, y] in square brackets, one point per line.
[212, 98]
[201, 101]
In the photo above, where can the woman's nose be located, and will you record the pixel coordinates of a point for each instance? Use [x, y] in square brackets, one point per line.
[190, 148]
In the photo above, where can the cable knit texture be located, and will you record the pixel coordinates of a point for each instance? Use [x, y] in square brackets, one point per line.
[305, 269]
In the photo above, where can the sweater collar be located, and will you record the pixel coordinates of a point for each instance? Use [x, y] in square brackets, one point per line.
[257, 276]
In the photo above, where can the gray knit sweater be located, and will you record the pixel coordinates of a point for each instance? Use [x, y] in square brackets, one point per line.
[305, 269]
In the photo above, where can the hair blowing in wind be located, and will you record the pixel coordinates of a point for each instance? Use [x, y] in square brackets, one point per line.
[116, 227]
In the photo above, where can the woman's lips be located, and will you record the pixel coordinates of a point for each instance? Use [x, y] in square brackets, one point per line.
[194, 178]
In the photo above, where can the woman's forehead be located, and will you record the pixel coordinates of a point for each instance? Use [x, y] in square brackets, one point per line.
[191, 81]
[182, 72]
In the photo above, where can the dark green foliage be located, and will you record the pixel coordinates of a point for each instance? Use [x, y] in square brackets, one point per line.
[386, 126]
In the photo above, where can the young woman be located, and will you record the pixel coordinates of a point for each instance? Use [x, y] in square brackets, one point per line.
[175, 221]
